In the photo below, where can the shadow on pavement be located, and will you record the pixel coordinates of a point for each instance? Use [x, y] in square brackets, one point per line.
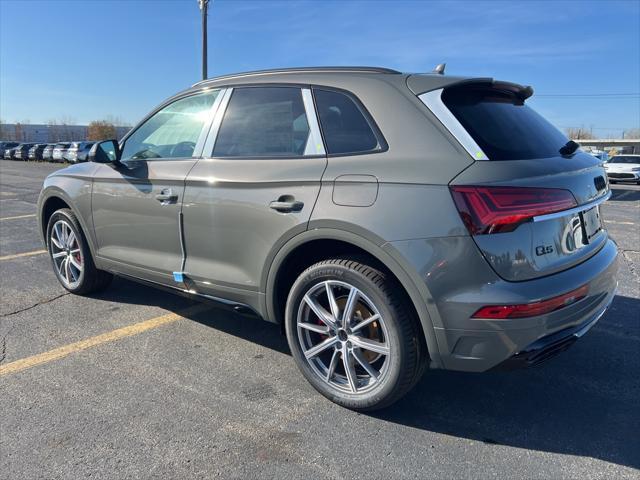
[624, 194]
[583, 402]
[247, 327]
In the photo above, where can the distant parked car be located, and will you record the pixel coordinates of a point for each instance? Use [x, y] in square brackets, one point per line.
[78, 152]
[59, 151]
[35, 152]
[47, 153]
[22, 151]
[8, 153]
[623, 168]
[4, 146]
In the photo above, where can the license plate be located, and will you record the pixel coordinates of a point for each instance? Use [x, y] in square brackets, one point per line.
[591, 223]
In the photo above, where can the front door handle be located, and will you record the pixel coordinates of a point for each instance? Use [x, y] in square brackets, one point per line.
[166, 196]
[286, 204]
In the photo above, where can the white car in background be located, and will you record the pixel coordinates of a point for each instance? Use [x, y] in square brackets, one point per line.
[623, 168]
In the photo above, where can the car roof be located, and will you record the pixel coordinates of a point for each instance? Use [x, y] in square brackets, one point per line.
[272, 74]
[344, 77]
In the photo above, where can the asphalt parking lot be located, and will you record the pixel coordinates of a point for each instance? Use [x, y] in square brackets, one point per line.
[138, 383]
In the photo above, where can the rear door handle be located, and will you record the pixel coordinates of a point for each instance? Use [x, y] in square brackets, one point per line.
[166, 196]
[286, 204]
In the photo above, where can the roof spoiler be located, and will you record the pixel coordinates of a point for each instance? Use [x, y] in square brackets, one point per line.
[420, 84]
[521, 91]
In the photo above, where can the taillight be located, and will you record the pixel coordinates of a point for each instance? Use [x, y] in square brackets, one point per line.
[501, 312]
[501, 209]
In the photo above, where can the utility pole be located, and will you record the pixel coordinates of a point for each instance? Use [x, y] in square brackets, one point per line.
[203, 4]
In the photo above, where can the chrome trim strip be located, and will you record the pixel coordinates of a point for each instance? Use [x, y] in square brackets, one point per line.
[314, 142]
[217, 121]
[581, 208]
[433, 101]
[186, 291]
[579, 333]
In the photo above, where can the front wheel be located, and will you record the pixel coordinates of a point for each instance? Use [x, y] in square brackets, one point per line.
[71, 257]
[352, 336]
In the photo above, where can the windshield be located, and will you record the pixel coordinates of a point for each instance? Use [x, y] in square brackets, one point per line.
[502, 125]
[629, 159]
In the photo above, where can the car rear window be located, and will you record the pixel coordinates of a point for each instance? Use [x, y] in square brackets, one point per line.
[344, 126]
[502, 125]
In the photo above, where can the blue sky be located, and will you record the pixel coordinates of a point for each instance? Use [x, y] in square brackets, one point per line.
[89, 59]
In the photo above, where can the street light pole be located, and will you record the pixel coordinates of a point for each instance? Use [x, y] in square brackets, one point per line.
[203, 4]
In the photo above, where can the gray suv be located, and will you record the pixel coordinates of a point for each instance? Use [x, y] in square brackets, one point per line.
[389, 222]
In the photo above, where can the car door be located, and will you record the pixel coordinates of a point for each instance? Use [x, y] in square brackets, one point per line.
[255, 187]
[136, 204]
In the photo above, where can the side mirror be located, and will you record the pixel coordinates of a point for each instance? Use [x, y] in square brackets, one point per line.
[107, 151]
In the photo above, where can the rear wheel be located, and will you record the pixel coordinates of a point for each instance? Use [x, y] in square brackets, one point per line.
[71, 257]
[351, 334]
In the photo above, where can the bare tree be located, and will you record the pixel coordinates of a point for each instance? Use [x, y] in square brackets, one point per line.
[631, 133]
[6, 133]
[579, 133]
[54, 130]
[19, 132]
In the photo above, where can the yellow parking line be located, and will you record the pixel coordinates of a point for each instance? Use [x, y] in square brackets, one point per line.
[61, 352]
[18, 216]
[24, 254]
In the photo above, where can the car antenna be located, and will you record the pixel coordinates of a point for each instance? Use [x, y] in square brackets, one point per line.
[439, 68]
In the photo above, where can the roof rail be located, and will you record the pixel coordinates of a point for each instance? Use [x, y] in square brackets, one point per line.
[299, 70]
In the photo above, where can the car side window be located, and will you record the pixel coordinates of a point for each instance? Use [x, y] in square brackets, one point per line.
[171, 132]
[344, 126]
[263, 122]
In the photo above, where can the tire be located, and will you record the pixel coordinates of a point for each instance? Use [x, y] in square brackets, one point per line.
[381, 315]
[71, 257]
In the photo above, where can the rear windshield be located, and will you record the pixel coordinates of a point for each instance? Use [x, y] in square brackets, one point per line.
[630, 159]
[502, 125]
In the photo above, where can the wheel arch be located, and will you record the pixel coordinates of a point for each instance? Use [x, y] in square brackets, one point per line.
[52, 200]
[321, 243]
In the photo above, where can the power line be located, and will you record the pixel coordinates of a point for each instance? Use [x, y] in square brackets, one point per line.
[589, 95]
[596, 128]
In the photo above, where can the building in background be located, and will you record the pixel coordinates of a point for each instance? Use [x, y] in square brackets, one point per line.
[49, 133]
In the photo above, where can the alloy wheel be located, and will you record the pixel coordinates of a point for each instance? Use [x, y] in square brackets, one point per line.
[343, 336]
[66, 253]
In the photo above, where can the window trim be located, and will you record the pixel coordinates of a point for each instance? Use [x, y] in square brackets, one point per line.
[383, 146]
[312, 120]
[198, 149]
[433, 101]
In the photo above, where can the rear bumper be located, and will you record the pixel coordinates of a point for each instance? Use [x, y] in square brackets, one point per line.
[548, 347]
[459, 281]
[531, 340]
